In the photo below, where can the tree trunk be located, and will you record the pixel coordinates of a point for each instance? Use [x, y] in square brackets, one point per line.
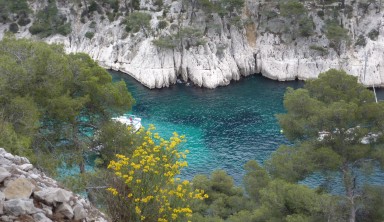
[350, 185]
[78, 148]
[82, 167]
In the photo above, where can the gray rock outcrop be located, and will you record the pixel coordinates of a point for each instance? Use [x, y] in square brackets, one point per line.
[26, 194]
[21, 188]
[18, 207]
[53, 195]
[4, 174]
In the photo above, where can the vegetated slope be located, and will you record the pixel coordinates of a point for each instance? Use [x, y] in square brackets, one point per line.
[211, 42]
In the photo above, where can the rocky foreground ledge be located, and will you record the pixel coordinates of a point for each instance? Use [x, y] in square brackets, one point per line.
[27, 195]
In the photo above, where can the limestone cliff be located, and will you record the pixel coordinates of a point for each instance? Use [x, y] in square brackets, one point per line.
[230, 48]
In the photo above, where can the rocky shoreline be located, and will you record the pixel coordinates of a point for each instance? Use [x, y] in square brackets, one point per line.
[28, 195]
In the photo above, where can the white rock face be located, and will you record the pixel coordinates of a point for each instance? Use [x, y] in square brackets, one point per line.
[229, 52]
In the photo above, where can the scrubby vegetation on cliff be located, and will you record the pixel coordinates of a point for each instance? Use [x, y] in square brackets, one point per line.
[291, 19]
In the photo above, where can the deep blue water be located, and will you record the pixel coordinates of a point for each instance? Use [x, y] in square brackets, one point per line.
[225, 127]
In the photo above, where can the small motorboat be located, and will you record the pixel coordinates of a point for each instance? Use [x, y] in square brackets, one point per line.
[129, 120]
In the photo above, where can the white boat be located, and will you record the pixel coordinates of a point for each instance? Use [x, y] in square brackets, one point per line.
[129, 120]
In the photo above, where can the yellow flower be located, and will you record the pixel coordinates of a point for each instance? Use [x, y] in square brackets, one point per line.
[137, 209]
[113, 191]
[185, 182]
[151, 174]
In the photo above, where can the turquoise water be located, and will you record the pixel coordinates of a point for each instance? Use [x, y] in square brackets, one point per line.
[225, 127]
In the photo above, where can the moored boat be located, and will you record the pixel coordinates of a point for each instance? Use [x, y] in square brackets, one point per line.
[129, 120]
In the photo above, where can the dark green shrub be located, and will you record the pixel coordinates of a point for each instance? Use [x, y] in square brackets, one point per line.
[292, 8]
[93, 7]
[320, 49]
[162, 24]
[89, 35]
[111, 16]
[158, 3]
[373, 34]
[164, 42]
[18, 6]
[336, 35]
[36, 29]
[23, 21]
[114, 5]
[92, 25]
[136, 4]
[306, 27]
[64, 29]
[49, 21]
[13, 27]
[136, 21]
[236, 21]
[361, 41]
[84, 13]
[320, 14]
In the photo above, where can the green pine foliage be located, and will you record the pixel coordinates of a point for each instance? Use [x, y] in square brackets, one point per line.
[138, 21]
[52, 101]
[297, 15]
[89, 35]
[335, 126]
[16, 7]
[337, 36]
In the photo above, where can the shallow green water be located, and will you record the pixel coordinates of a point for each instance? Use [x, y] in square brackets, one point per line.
[224, 127]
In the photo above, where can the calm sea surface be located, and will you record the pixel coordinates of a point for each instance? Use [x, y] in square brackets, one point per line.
[225, 127]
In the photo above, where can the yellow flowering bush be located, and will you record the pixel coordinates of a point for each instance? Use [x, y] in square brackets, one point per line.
[152, 192]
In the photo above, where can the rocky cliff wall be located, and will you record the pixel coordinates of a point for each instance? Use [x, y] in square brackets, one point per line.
[27, 195]
[229, 51]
